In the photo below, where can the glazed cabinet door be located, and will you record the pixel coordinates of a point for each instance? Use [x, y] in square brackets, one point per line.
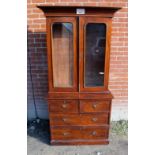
[62, 53]
[94, 48]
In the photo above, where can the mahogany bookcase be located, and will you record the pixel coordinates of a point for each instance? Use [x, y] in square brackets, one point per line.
[78, 50]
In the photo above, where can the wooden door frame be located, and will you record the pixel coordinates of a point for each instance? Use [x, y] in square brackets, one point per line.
[49, 22]
[91, 12]
[82, 22]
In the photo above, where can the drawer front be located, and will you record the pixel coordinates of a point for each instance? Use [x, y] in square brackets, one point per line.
[63, 120]
[79, 133]
[65, 134]
[94, 106]
[100, 119]
[63, 106]
[78, 120]
[94, 133]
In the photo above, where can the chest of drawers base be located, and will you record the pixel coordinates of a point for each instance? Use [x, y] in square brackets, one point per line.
[80, 142]
[79, 121]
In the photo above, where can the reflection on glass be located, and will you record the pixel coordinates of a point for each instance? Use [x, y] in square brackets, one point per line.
[62, 54]
[95, 39]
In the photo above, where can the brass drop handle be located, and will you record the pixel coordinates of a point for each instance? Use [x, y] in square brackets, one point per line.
[94, 119]
[65, 133]
[94, 133]
[64, 119]
[94, 105]
[64, 105]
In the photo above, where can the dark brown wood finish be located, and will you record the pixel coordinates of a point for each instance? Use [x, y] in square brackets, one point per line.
[79, 120]
[78, 115]
[50, 22]
[80, 95]
[63, 106]
[82, 37]
[106, 12]
[79, 133]
[87, 106]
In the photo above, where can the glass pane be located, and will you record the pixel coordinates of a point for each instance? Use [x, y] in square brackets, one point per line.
[62, 54]
[95, 39]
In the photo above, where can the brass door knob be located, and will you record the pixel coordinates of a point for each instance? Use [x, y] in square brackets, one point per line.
[101, 73]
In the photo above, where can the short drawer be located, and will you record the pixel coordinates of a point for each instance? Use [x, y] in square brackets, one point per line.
[78, 120]
[95, 133]
[79, 133]
[61, 106]
[94, 106]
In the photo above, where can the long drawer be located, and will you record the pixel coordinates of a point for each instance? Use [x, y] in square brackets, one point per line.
[63, 106]
[67, 133]
[78, 120]
[87, 106]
